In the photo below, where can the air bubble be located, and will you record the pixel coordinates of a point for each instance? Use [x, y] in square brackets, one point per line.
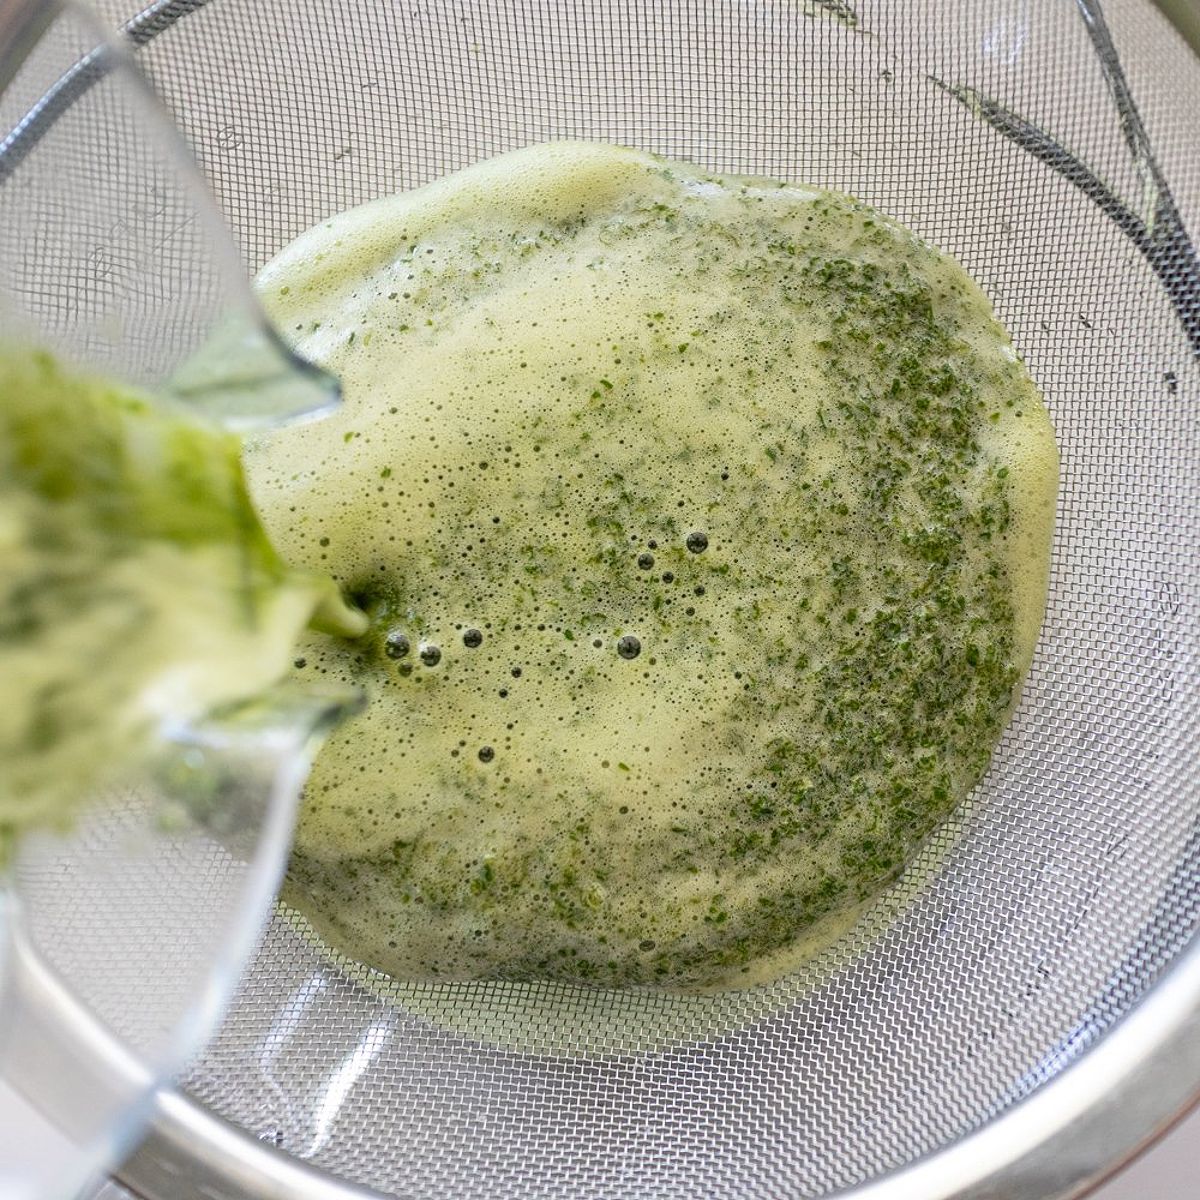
[629, 646]
[396, 645]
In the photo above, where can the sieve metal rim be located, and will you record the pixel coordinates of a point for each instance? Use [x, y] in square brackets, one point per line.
[1073, 1132]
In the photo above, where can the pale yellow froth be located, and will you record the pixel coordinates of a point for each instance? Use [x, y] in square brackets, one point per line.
[559, 367]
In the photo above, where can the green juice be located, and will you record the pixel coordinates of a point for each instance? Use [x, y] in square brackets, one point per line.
[138, 591]
[703, 528]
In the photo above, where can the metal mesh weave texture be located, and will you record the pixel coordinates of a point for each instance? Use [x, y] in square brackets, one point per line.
[995, 129]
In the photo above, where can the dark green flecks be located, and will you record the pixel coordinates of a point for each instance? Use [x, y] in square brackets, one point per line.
[800, 517]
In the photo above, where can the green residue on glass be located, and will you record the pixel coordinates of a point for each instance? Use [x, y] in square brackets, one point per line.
[137, 587]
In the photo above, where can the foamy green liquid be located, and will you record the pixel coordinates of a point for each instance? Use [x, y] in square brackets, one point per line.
[594, 396]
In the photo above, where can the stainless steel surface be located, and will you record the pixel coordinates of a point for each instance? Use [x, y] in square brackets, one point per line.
[1061, 1141]
[1019, 1013]
[1165, 1170]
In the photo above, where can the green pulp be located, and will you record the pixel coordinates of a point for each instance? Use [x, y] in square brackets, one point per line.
[137, 588]
[703, 525]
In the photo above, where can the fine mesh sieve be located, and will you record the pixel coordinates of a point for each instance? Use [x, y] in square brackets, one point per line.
[1050, 147]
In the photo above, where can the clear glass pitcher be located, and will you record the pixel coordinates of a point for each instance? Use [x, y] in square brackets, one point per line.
[121, 937]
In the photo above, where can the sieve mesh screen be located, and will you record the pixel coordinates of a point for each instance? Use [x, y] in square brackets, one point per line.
[1055, 899]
